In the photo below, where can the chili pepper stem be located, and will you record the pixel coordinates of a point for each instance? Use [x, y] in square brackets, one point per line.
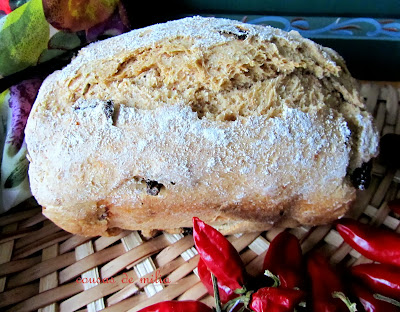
[303, 304]
[277, 281]
[216, 293]
[244, 298]
[387, 299]
[350, 305]
[231, 308]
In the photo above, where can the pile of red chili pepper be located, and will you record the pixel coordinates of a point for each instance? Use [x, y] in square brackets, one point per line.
[297, 282]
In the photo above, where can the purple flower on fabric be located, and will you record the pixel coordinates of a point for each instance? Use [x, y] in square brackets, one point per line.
[22, 96]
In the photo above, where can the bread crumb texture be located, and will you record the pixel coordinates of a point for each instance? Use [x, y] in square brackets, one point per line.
[243, 126]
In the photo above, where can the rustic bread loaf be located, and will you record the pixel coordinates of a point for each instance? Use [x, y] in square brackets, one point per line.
[243, 126]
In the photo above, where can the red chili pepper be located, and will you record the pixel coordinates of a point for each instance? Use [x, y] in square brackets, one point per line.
[177, 306]
[276, 299]
[225, 293]
[377, 244]
[218, 254]
[325, 281]
[284, 259]
[370, 303]
[5, 6]
[381, 278]
[394, 205]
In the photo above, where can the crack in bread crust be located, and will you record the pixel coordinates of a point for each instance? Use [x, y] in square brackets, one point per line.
[234, 122]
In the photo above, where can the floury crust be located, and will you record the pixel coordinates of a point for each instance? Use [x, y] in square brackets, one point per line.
[244, 126]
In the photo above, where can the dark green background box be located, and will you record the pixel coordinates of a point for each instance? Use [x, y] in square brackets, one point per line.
[365, 33]
[352, 8]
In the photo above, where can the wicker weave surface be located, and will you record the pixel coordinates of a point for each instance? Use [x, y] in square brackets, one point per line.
[45, 268]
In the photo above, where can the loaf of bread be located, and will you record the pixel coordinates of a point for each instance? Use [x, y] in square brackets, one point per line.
[243, 126]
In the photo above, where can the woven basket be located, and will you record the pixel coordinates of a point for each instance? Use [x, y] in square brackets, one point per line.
[45, 268]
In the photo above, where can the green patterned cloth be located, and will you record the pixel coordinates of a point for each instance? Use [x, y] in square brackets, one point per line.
[16, 103]
[27, 39]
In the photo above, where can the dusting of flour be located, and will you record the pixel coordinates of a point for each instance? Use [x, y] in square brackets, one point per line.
[171, 144]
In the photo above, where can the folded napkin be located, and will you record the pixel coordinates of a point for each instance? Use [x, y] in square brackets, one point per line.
[31, 33]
